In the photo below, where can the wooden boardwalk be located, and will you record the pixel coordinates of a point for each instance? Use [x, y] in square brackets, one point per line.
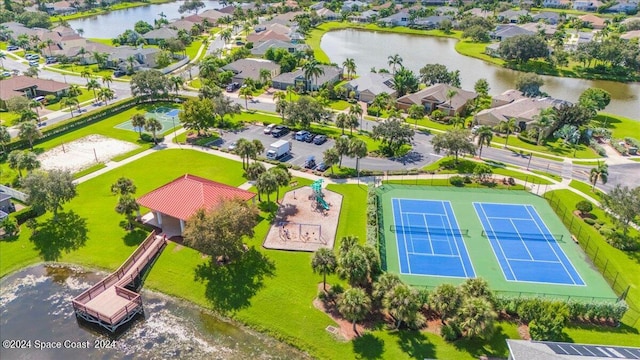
[109, 303]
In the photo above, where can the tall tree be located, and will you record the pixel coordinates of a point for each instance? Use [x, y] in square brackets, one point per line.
[356, 110]
[403, 303]
[331, 157]
[349, 64]
[176, 83]
[138, 121]
[416, 112]
[405, 82]
[107, 80]
[70, 103]
[244, 149]
[529, 84]
[394, 134]
[455, 142]
[312, 70]
[254, 170]
[127, 206]
[5, 137]
[341, 121]
[543, 122]
[150, 83]
[594, 99]
[354, 304]
[324, 262]
[153, 126]
[484, 136]
[29, 131]
[508, 126]
[624, 203]
[601, 172]
[246, 92]
[49, 190]
[522, 48]
[123, 186]
[394, 61]
[283, 178]
[219, 232]
[342, 148]
[482, 87]
[94, 85]
[477, 318]
[198, 115]
[267, 183]
[358, 150]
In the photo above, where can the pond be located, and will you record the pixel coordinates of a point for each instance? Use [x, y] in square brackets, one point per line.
[114, 23]
[371, 49]
[35, 304]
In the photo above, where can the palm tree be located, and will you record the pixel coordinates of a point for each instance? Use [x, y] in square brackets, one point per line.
[5, 137]
[354, 305]
[331, 157]
[356, 110]
[258, 147]
[254, 170]
[101, 59]
[86, 74]
[402, 303]
[28, 115]
[352, 122]
[29, 131]
[226, 35]
[280, 98]
[106, 95]
[601, 172]
[69, 102]
[477, 317]
[282, 178]
[74, 90]
[94, 85]
[380, 102]
[138, 121]
[246, 92]
[457, 120]
[395, 60]
[35, 104]
[176, 83]
[507, 126]
[341, 121]
[107, 80]
[244, 148]
[350, 65]
[267, 183]
[324, 262]
[544, 121]
[312, 69]
[358, 149]
[484, 135]
[264, 77]
[383, 285]
[208, 68]
[131, 60]
[153, 125]
[445, 300]
[451, 93]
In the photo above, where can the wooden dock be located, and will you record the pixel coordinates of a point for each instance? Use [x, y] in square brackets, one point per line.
[110, 303]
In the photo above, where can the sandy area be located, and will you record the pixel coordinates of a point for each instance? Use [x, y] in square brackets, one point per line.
[84, 152]
[299, 225]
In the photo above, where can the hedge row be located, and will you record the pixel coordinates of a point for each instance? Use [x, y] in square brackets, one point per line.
[25, 214]
[372, 217]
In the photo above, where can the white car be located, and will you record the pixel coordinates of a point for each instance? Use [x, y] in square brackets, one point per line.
[268, 129]
[232, 146]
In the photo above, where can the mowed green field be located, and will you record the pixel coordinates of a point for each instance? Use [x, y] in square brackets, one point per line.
[480, 251]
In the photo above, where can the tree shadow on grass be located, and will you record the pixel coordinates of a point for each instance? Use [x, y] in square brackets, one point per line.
[496, 346]
[415, 344]
[230, 287]
[68, 233]
[135, 237]
[368, 346]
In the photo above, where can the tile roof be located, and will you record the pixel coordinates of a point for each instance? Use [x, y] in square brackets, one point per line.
[376, 83]
[15, 85]
[187, 194]
[437, 93]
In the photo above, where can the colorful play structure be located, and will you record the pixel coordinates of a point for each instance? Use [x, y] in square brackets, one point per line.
[320, 204]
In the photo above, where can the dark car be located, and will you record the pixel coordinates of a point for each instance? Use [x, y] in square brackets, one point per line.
[310, 137]
[233, 86]
[322, 167]
[12, 48]
[119, 73]
[279, 131]
[310, 163]
[320, 139]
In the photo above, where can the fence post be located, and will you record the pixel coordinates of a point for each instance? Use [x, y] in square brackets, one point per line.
[595, 256]
[613, 286]
[604, 272]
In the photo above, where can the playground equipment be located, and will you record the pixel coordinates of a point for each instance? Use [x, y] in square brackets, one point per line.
[320, 204]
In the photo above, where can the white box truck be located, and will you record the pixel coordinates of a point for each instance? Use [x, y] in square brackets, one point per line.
[279, 149]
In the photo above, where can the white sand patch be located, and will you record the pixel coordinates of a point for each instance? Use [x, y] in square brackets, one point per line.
[84, 152]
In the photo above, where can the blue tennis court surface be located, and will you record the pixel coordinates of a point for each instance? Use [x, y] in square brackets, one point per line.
[523, 245]
[429, 239]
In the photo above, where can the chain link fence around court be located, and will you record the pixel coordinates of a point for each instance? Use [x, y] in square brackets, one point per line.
[581, 232]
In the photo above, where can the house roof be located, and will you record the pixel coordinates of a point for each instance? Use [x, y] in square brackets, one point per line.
[162, 33]
[509, 14]
[536, 26]
[376, 83]
[330, 72]
[15, 86]
[524, 109]
[182, 24]
[262, 47]
[509, 96]
[324, 12]
[547, 350]
[229, 10]
[635, 34]
[187, 194]
[437, 93]
[267, 35]
[592, 19]
[212, 14]
[510, 30]
[250, 68]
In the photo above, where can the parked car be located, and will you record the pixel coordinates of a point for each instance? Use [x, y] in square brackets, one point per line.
[32, 56]
[279, 131]
[310, 137]
[233, 87]
[34, 63]
[320, 139]
[51, 60]
[269, 128]
[6, 74]
[302, 135]
[119, 73]
[310, 163]
[12, 48]
[232, 146]
[322, 167]
[475, 129]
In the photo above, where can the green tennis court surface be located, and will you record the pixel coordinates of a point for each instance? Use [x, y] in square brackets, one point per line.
[506, 255]
[167, 116]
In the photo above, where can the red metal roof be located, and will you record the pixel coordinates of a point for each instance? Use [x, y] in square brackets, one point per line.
[185, 195]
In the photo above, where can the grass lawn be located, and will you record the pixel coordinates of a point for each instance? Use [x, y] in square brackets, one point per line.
[586, 189]
[466, 167]
[78, 69]
[554, 147]
[620, 126]
[192, 49]
[85, 95]
[8, 118]
[618, 261]
[195, 83]
[103, 41]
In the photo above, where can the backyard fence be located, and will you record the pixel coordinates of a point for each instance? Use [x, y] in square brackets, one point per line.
[588, 242]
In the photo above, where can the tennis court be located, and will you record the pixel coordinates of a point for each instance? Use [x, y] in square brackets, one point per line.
[167, 116]
[525, 248]
[429, 239]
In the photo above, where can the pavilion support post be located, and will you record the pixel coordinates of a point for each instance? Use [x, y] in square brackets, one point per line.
[159, 217]
[181, 226]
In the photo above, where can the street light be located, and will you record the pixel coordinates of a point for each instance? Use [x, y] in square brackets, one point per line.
[529, 163]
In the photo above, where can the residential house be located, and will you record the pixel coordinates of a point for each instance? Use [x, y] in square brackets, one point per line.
[593, 21]
[398, 19]
[228, 10]
[446, 10]
[556, 4]
[296, 79]
[159, 35]
[263, 36]
[29, 87]
[196, 19]
[587, 5]
[548, 30]
[286, 18]
[128, 58]
[317, 6]
[261, 48]
[547, 350]
[213, 16]
[506, 97]
[572, 42]
[327, 14]
[431, 22]
[6, 206]
[182, 24]
[634, 34]
[524, 110]
[60, 8]
[506, 31]
[548, 17]
[436, 97]
[623, 7]
[511, 16]
[383, 6]
[480, 13]
[364, 17]
[368, 86]
[353, 5]
[250, 69]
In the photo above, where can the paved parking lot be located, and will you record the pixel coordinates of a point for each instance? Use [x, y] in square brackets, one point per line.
[300, 150]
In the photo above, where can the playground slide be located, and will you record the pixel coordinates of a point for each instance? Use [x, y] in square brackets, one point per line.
[323, 203]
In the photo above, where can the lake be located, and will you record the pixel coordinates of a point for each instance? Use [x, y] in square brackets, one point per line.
[114, 23]
[35, 304]
[371, 49]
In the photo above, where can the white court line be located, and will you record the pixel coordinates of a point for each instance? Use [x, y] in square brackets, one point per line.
[393, 205]
[504, 256]
[554, 250]
[442, 217]
[455, 220]
[522, 239]
[426, 224]
[406, 248]
[434, 255]
[507, 218]
[539, 261]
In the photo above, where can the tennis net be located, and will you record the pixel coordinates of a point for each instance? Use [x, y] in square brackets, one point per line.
[429, 230]
[508, 235]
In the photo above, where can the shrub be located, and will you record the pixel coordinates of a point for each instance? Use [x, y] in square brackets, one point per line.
[456, 181]
[25, 214]
[619, 148]
[595, 146]
[584, 207]
[589, 221]
[450, 332]
[621, 241]
[632, 142]
[9, 225]
[51, 99]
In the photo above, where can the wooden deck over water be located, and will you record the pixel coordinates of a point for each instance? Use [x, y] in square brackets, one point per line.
[108, 303]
